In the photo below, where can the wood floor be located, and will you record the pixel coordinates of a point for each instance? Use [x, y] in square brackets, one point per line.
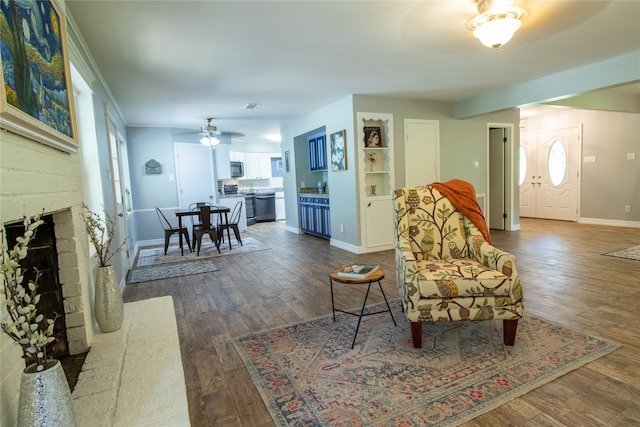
[565, 280]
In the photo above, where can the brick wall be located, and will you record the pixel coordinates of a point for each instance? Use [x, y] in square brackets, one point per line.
[36, 178]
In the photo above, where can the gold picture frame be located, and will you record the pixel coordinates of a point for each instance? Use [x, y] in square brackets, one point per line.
[36, 98]
[338, 143]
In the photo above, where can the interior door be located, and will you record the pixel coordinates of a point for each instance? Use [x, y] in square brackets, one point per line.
[497, 182]
[422, 162]
[554, 184]
[194, 174]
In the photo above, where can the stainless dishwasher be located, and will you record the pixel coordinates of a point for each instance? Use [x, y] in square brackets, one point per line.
[265, 207]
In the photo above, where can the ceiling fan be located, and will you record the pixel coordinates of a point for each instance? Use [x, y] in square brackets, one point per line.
[209, 133]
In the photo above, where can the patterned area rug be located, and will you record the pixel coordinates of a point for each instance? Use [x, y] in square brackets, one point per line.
[307, 373]
[168, 271]
[154, 255]
[632, 252]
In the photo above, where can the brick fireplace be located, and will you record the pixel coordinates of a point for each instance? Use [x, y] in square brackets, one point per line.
[38, 179]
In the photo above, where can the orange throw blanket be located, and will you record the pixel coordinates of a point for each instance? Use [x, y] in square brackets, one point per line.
[462, 195]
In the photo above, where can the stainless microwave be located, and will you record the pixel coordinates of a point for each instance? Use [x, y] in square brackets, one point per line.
[237, 169]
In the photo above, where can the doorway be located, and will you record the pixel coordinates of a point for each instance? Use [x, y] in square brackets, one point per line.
[549, 172]
[501, 210]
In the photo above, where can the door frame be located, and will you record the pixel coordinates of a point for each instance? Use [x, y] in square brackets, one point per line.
[511, 200]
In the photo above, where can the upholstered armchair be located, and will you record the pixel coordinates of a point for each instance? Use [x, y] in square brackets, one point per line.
[446, 268]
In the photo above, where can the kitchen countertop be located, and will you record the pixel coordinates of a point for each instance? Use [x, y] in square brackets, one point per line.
[314, 194]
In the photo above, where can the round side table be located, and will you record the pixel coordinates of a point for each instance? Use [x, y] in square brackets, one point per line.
[376, 276]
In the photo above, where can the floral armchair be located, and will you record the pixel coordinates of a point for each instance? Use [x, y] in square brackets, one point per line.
[446, 270]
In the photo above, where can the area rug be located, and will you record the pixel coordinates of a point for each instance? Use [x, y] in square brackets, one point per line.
[154, 255]
[632, 252]
[307, 373]
[168, 271]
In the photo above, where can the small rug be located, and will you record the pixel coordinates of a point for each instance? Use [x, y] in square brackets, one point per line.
[168, 271]
[154, 255]
[307, 373]
[632, 252]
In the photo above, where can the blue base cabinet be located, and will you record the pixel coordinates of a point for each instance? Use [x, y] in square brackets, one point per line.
[315, 216]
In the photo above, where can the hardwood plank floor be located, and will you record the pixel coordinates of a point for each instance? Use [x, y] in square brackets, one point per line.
[565, 280]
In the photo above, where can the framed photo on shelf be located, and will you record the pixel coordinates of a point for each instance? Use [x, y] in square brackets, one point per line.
[373, 137]
[36, 98]
[338, 150]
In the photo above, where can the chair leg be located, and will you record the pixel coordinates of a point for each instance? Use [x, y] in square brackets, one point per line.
[416, 334]
[510, 326]
[236, 232]
[214, 239]
[186, 237]
[167, 236]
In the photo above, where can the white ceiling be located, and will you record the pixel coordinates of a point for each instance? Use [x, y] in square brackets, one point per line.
[173, 63]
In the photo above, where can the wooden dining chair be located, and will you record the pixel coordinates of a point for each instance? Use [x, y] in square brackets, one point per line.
[171, 229]
[234, 219]
[204, 227]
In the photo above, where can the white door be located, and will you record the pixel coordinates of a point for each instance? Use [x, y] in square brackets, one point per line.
[550, 189]
[194, 174]
[421, 152]
[497, 182]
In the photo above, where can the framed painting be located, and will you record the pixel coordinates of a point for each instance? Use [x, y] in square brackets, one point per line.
[36, 99]
[338, 143]
[373, 137]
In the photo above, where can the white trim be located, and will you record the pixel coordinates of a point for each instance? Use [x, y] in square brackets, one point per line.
[609, 222]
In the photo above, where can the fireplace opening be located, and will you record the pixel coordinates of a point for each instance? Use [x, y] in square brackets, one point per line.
[43, 256]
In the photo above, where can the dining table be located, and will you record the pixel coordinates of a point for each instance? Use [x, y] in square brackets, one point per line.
[223, 211]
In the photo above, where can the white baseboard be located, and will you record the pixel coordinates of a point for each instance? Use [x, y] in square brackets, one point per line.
[609, 222]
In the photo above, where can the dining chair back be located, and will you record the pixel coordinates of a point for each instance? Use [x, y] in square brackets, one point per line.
[171, 229]
[234, 220]
[204, 227]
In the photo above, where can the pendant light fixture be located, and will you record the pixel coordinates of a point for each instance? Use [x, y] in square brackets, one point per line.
[497, 22]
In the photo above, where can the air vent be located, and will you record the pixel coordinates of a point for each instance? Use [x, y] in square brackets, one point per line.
[252, 106]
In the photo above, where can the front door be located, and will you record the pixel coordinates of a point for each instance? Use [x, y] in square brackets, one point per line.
[118, 197]
[550, 186]
[194, 170]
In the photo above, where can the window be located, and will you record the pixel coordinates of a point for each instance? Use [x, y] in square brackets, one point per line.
[557, 163]
[523, 166]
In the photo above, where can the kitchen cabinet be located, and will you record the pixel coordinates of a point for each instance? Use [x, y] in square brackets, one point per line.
[280, 208]
[315, 215]
[236, 156]
[318, 153]
[257, 165]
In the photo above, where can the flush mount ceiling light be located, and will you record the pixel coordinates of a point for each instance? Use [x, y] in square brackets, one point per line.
[209, 131]
[497, 22]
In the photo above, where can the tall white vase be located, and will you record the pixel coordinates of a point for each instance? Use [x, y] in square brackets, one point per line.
[45, 399]
[108, 304]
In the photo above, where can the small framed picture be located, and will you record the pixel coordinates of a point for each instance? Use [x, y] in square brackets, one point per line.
[373, 137]
[338, 153]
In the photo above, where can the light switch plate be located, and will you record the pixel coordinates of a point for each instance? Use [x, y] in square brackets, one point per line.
[590, 159]
[631, 156]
